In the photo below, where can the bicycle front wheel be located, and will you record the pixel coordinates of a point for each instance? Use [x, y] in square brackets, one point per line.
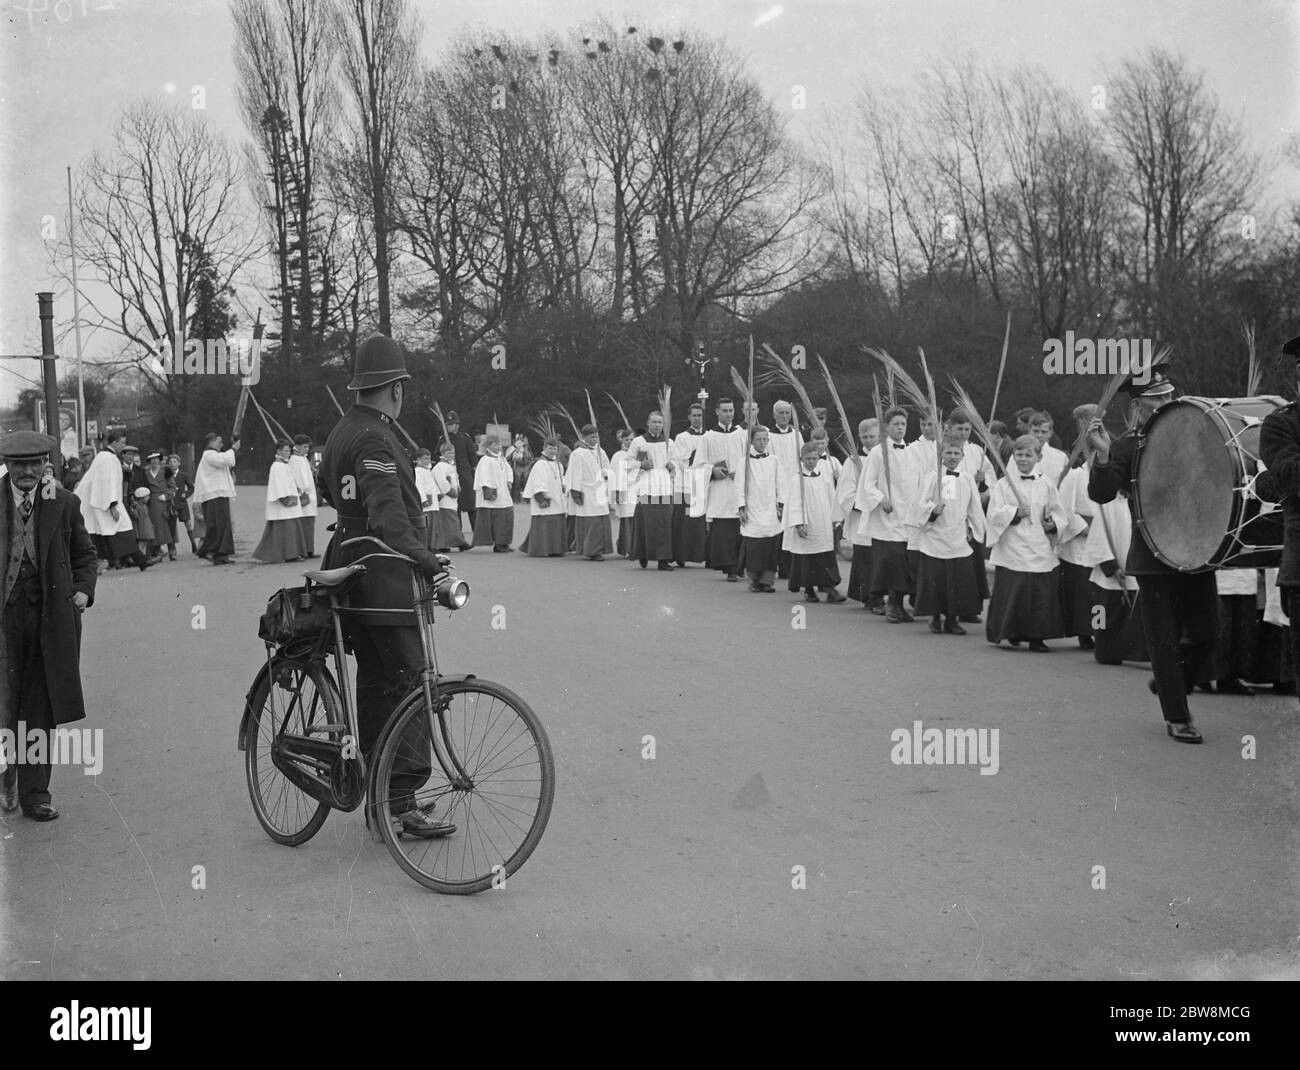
[500, 811]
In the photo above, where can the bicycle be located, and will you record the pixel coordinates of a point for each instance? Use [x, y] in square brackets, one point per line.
[480, 744]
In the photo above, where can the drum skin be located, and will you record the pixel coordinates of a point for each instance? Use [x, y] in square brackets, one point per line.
[1196, 454]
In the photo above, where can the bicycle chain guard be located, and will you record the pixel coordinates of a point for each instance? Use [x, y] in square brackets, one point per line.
[318, 768]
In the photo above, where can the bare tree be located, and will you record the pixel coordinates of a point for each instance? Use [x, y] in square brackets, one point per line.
[165, 195]
[289, 99]
[377, 41]
[162, 222]
[1188, 178]
[1058, 204]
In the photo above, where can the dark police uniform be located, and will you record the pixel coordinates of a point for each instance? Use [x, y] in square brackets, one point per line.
[1279, 449]
[367, 475]
[1179, 609]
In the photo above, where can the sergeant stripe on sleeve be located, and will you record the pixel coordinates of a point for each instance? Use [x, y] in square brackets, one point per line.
[380, 466]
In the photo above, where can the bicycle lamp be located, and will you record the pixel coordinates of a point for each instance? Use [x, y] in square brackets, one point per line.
[452, 593]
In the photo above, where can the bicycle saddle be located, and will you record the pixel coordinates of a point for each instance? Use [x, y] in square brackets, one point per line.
[332, 577]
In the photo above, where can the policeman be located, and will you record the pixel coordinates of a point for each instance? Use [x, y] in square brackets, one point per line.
[1279, 449]
[1179, 609]
[367, 475]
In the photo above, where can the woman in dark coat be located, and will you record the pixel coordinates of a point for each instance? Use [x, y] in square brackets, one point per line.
[181, 487]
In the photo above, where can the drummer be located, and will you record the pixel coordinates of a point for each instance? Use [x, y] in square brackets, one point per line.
[1279, 449]
[1179, 609]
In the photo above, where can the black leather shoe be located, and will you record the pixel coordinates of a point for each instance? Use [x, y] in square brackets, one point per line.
[977, 619]
[664, 566]
[423, 826]
[1183, 731]
[1039, 647]
[810, 596]
[953, 628]
[936, 626]
[1232, 686]
[732, 578]
[40, 812]
[833, 595]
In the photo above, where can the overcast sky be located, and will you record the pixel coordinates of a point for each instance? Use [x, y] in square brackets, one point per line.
[63, 83]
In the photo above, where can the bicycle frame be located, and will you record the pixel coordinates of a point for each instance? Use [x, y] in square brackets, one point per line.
[422, 605]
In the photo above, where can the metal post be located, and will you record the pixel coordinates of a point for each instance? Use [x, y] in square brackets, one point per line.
[45, 304]
[76, 323]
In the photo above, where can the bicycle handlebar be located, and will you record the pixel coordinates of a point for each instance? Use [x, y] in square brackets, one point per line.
[380, 543]
[443, 562]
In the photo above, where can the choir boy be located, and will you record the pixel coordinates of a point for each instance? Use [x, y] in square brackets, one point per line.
[652, 531]
[976, 464]
[760, 514]
[282, 537]
[494, 511]
[588, 483]
[1117, 633]
[622, 481]
[886, 490]
[427, 488]
[1054, 462]
[809, 522]
[446, 483]
[724, 449]
[1023, 518]
[855, 520]
[544, 491]
[690, 491]
[1076, 565]
[947, 514]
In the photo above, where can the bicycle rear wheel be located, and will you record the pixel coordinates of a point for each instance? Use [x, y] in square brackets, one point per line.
[500, 814]
[306, 701]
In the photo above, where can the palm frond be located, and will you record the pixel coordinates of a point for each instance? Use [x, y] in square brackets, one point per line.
[436, 409]
[881, 436]
[1002, 366]
[963, 401]
[741, 388]
[591, 409]
[544, 427]
[911, 390]
[627, 424]
[557, 407]
[783, 373]
[665, 409]
[1254, 370]
[847, 441]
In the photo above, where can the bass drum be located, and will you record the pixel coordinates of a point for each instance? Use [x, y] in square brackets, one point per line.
[1197, 458]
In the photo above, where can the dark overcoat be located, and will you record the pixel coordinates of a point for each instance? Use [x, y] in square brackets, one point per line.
[67, 565]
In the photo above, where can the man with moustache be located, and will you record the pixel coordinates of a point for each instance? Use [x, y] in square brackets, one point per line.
[49, 580]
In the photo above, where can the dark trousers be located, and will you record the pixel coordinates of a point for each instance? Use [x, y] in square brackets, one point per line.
[1180, 616]
[219, 531]
[25, 668]
[1291, 607]
[388, 667]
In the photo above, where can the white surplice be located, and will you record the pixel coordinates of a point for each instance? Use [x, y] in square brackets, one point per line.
[280, 483]
[962, 516]
[546, 478]
[1025, 546]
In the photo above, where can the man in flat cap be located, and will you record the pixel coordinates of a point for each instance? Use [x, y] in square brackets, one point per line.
[1179, 609]
[367, 474]
[49, 579]
[1279, 449]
